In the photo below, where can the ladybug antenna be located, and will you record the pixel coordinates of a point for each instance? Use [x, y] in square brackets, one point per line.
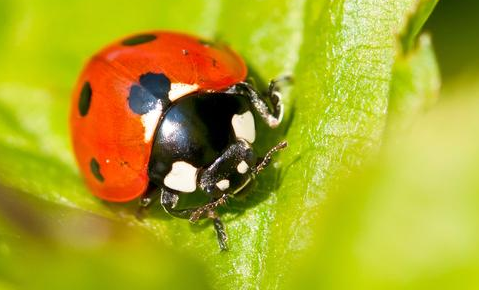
[267, 158]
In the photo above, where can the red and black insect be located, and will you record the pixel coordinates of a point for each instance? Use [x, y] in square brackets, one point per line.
[171, 112]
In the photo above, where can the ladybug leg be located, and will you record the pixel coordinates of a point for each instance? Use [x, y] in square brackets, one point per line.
[271, 110]
[169, 200]
[220, 230]
[208, 210]
[146, 200]
[274, 95]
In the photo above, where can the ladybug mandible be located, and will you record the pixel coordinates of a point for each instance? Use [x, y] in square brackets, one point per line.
[162, 115]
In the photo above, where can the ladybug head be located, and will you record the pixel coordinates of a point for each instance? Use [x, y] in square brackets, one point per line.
[231, 172]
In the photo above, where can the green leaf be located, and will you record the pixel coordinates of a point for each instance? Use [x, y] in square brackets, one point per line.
[341, 54]
[410, 221]
[414, 87]
[79, 251]
[415, 23]
[415, 77]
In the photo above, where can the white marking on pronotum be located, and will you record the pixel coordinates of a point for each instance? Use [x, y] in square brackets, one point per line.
[223, 184]
[182, 177]
[179, 90]
[242, 167]
[244, 126]
[150, 120]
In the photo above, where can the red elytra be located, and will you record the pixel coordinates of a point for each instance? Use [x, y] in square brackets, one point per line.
[109, 139]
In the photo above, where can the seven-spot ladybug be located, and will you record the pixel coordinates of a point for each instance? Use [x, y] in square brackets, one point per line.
[166, 114]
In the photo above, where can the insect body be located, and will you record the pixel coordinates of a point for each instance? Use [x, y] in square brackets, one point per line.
[166, 114]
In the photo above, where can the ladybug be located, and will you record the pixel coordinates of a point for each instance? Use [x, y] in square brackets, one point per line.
[162, 115]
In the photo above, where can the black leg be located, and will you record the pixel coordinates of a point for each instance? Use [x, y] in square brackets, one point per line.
[273, 116]
[274, 93]
[146, 200]
[169, 201]
[220, 231]
[275, 84]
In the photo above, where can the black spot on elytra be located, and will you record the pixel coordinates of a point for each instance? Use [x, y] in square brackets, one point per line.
[95, 170]
[185, 52]
[144, 97]
[139, 39]
[85, 99]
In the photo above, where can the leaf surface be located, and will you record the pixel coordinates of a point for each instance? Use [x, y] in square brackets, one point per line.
[340, 53]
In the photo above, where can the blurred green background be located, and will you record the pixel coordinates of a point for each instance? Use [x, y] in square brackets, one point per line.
[405, 218]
